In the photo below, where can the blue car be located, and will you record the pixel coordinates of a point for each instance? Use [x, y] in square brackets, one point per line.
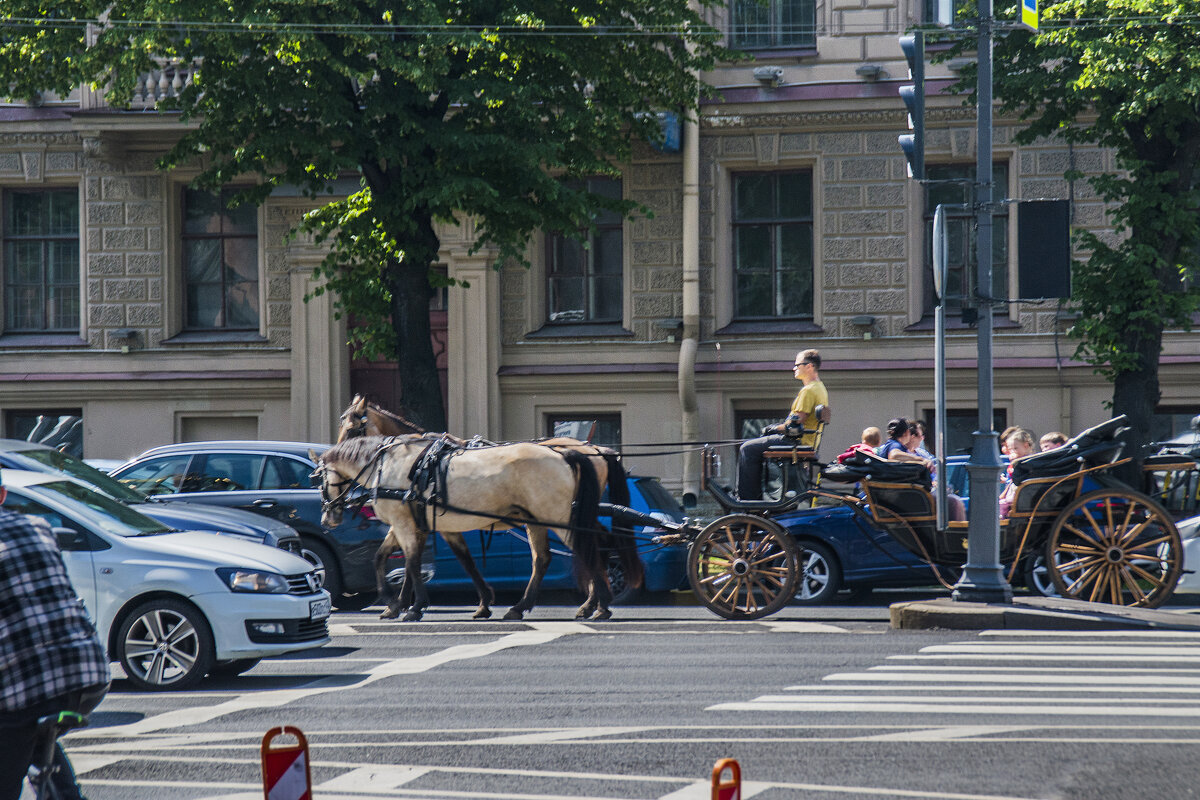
[505, 561]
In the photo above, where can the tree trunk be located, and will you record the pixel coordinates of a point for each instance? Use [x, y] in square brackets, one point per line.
[408, 280]
[1136, 394]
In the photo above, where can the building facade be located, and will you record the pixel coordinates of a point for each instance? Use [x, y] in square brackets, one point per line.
[784, 220]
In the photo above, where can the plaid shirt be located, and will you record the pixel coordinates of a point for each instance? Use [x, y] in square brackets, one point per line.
[48, 646]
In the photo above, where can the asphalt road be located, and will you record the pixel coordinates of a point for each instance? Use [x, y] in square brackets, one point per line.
[813, 703]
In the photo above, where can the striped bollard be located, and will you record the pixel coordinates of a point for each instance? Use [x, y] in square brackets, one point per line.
[286, 774]
[730, 789]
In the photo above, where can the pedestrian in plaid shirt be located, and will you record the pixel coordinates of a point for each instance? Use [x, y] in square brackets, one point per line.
[51, 659]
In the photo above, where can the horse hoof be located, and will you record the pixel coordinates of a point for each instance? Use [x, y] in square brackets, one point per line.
[413, 616]
[391, 612]
[514, 614]
[602, 614]
[483, 613]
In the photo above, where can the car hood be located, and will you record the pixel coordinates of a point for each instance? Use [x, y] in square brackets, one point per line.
[186, 516]
[207, 548]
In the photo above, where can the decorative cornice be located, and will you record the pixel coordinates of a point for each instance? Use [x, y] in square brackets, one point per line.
[39, 139]
[829, 119]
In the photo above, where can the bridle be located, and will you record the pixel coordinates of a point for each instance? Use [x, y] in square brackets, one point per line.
[356, 428]
[343, 487]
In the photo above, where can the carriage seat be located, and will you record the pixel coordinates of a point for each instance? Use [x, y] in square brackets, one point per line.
[864, 466]
[1098, 445]
[797, 452]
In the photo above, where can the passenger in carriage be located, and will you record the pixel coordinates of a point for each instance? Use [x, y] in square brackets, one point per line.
[958, 509]
[872, 437]
[1018, 444]
[898, 447]
[812, 394]
[1052, 440]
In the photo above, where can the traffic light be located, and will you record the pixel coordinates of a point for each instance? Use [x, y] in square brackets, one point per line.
[913, 95]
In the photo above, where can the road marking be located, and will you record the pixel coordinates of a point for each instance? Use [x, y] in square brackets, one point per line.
[947, 734]
[274, 698]
[1138, 634]
[1024, 677]
[886, 706]
[787, 626]
[1147, 652]
[547, 737]
[691, 788]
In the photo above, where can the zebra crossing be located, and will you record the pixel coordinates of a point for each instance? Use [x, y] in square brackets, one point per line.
[1130, 675]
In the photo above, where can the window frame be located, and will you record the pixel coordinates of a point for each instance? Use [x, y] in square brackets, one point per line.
[181, 238]
[552, 239]
[1002, 221]
[46, 240]
[805, 39]
[775, 223]
[552, 418]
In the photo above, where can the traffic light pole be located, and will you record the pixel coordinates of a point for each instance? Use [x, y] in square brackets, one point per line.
[983, 577]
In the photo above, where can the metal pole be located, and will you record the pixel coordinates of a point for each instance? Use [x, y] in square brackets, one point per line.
[939, 359]
[983, 577]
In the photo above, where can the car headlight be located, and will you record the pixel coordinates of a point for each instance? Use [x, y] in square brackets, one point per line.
[252, 580]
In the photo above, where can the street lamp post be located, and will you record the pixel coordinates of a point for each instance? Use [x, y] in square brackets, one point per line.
[983, 577]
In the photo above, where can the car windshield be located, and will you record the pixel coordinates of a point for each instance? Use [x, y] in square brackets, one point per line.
[100, 511]
[37, 458]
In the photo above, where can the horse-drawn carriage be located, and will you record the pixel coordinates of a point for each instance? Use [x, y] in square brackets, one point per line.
[1101, 539]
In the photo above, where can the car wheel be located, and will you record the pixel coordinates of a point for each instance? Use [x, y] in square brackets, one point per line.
[623, 593]
[165, 644]
[820, 574]
[321, 557]
[1037, 577]
[228, 669]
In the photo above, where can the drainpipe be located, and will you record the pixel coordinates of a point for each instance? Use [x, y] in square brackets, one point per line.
[690, 415]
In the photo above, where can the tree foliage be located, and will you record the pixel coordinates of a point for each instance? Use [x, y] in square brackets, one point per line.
[1122, 75]
[445, 109]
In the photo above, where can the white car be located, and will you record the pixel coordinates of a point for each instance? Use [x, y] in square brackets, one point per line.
[174, 606]
[1189, 532]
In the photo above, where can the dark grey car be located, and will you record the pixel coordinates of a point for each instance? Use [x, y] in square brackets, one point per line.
[272, 479]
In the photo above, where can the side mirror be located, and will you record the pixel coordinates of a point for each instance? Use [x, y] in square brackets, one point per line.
[69, 539]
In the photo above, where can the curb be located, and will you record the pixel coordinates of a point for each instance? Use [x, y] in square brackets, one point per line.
[1041, 613]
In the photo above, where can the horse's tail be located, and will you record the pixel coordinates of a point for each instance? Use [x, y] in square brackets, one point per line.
[621, 542]
[585, 517]
[618, 485]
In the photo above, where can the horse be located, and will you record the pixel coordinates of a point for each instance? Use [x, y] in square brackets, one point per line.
[365, 418]
[463, 490]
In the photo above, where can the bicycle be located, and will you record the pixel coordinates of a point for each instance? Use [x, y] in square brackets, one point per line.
[51, 776]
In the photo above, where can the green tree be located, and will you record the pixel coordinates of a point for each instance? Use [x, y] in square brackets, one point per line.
[1121, 74]
[445, 109]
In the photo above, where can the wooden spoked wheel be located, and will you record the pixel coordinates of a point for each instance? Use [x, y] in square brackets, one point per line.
[743, 567]
[1115, 546]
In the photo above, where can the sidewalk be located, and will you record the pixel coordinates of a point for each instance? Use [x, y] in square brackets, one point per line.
[1036, 613]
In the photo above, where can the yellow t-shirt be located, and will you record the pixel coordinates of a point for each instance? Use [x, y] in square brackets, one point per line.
[806, 402]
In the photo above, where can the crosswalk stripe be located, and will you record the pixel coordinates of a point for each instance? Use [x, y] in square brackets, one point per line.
[1023, 677]
[1171, 651]
[884, 706]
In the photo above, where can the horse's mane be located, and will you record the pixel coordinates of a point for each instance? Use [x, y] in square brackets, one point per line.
[358, 449]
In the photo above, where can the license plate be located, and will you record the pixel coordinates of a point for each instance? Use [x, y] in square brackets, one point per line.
[319, 609]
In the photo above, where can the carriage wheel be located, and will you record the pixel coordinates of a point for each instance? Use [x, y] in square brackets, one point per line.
[743, 567]
[1115, 546]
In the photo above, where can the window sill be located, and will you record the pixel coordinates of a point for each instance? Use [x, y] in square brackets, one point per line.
[771, 326]
[799, 53]
[955, 323]
[216, 337]
[39, 340]
[578, 330]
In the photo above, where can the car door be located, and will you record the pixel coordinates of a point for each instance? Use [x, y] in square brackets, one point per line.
[76, 553]
[160, 475]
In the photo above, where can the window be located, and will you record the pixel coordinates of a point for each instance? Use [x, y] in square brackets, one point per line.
[957, 188]
[41, 261]
[773, 245]
[220, 262]
[166, 475]
[961, 424]
[584, 277]
[60, 428]
[932, 5]
[286, 473]
[602, 429]
[228, 472]
[1174, 422]
[759, 24]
